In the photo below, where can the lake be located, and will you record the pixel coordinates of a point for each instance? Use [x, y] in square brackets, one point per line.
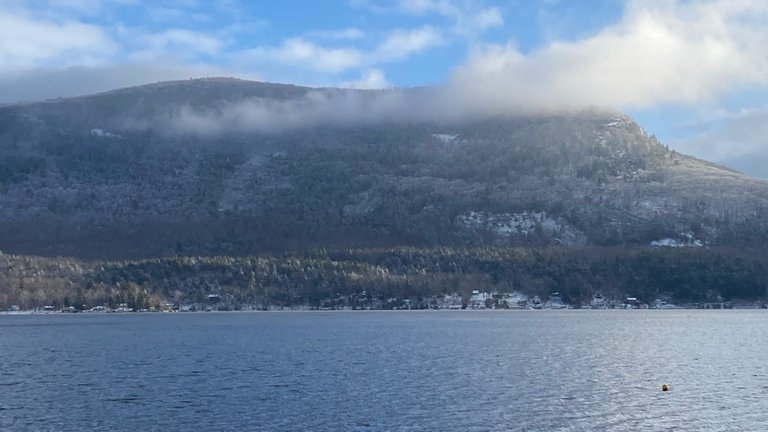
[386, 371]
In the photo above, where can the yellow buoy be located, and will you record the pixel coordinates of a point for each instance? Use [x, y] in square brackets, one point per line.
[665, 387]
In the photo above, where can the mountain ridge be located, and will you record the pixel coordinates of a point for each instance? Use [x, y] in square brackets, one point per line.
[105, 176]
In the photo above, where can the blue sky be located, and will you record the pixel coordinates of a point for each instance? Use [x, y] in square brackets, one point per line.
[694, 73]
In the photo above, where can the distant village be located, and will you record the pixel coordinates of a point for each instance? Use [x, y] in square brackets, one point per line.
[478, 300]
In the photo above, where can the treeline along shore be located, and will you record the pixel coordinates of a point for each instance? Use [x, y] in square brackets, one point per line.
[386, 277]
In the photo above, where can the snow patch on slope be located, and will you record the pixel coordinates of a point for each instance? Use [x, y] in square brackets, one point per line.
[685, 240]
[620, 121]
[104, 134]
[445, 138]
[525, 224]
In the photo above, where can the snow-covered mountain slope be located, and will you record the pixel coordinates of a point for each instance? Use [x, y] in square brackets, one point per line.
[231, 166]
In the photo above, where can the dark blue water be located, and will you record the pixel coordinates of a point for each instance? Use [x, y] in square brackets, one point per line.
[385, 371]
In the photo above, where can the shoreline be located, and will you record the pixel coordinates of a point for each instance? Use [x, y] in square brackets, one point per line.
[307, 310]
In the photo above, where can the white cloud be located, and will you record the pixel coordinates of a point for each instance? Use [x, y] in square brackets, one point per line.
[401, 44]
[316, 107]
[371, 79]
[175, 41]
[483, 20]
[397, 45]
[662, 51]
[47, 51]
[469, 16]
[297, 51]
[25, 42]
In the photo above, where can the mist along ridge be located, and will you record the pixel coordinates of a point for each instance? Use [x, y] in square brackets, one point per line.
[213, 168]
[411, 278]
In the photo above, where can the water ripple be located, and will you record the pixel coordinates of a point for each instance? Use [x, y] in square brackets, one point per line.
[463, 371]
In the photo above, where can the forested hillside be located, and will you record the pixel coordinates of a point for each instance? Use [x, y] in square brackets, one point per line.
[173, 191]
[317, 278]
[191, 168]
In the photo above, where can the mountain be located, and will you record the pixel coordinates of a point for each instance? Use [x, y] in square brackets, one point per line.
[231, 167]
